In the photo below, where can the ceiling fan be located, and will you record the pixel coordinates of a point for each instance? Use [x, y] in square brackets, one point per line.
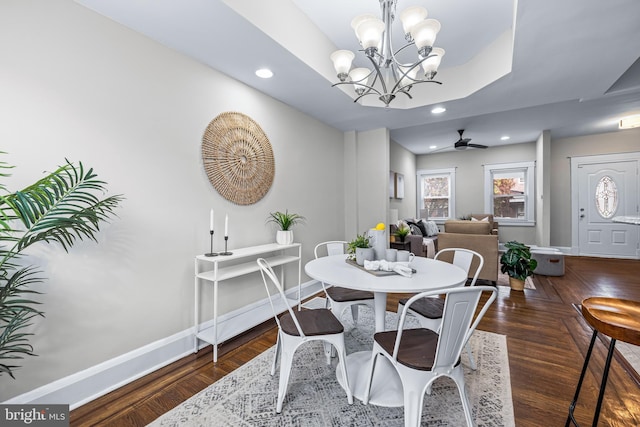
[463, 143]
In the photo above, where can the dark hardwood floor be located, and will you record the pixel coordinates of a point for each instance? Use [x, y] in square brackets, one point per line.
[546, 337]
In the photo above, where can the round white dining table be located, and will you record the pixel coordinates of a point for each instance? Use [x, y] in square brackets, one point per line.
[430, 274]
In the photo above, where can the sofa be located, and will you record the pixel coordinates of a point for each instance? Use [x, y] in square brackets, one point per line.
[477, 236]
[423, 241]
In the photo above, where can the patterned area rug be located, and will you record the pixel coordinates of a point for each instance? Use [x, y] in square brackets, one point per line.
[247, 396]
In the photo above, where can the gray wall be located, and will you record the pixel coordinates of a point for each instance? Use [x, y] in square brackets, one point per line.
[403, 161]
[76, 85]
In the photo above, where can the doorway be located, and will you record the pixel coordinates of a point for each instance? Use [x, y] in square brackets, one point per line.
[605, 187]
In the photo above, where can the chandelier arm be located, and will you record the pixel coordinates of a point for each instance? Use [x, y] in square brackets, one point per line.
[364, 94]
[378, 75]
[417, 81]
[393, 54]
[404, 74]
[406, 93]
[368, 92]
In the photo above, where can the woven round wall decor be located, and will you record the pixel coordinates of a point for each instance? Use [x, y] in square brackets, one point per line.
[238, 158]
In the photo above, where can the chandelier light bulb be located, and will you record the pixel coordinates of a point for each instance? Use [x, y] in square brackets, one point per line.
[342, 60]
[410, 17]
[431, 64]
[424, 34]
[360, 79]
[369, 33]
[358, 19]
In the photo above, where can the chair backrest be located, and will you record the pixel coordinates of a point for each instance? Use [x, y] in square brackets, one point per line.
[458, 321]
[269, 277]
[333, 247]
[464, 258]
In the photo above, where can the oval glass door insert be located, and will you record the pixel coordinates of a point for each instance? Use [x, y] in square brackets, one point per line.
[606, 197]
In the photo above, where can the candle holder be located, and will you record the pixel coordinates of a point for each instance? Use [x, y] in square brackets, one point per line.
[226, 252]
[211, 253]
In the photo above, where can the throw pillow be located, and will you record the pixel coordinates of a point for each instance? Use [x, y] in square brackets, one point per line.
[432, 228]
[485, 219]
[423, 227]
[412, 223]
[415, 230]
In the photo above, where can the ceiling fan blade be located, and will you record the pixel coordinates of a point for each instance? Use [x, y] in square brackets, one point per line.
[477, 146]
[440, 149]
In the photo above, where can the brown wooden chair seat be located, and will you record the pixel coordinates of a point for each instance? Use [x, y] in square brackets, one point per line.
[616, 318]
[339, 299]
[418, 350]
[312, 322]
[339, 294]
[431, 308]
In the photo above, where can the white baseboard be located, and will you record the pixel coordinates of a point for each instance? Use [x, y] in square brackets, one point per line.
[89, 384]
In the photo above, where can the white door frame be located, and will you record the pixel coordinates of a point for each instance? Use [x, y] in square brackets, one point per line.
[587, 160]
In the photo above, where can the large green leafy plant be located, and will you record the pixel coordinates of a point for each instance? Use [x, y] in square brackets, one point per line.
[517, 261]
[62, 208]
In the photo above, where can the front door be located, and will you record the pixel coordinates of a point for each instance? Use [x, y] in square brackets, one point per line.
[607, 190]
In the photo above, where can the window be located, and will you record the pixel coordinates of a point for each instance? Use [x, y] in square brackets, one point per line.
[509, 192]
[436, 194]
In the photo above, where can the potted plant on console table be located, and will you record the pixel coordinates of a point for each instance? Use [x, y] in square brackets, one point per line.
[517, 263]
[285, 221]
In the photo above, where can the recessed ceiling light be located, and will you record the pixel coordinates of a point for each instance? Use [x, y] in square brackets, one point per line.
[629, 122]
[264, 73]
[438, 110]
[433, 147]
[504, 138]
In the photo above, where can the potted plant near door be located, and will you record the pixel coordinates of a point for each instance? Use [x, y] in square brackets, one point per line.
[285, 221]
[517, 263]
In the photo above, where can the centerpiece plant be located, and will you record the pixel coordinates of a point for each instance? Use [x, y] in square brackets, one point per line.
[62, 207]
[360, 249]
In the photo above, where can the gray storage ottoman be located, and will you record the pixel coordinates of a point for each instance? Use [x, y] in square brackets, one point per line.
[550, 261]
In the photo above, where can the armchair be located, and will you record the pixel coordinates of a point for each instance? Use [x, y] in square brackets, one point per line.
[489, 218]
[476, 236]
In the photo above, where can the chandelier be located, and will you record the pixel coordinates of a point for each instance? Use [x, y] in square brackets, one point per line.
[389, 75]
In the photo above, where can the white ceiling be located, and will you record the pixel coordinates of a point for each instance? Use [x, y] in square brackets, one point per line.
[511, 67]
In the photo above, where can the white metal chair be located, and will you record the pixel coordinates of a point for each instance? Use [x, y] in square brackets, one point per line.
[420, 356]
[339, 299]
[298, 327]
[429, 310]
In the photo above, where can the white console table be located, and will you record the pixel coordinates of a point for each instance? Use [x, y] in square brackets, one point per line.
[213, 270]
